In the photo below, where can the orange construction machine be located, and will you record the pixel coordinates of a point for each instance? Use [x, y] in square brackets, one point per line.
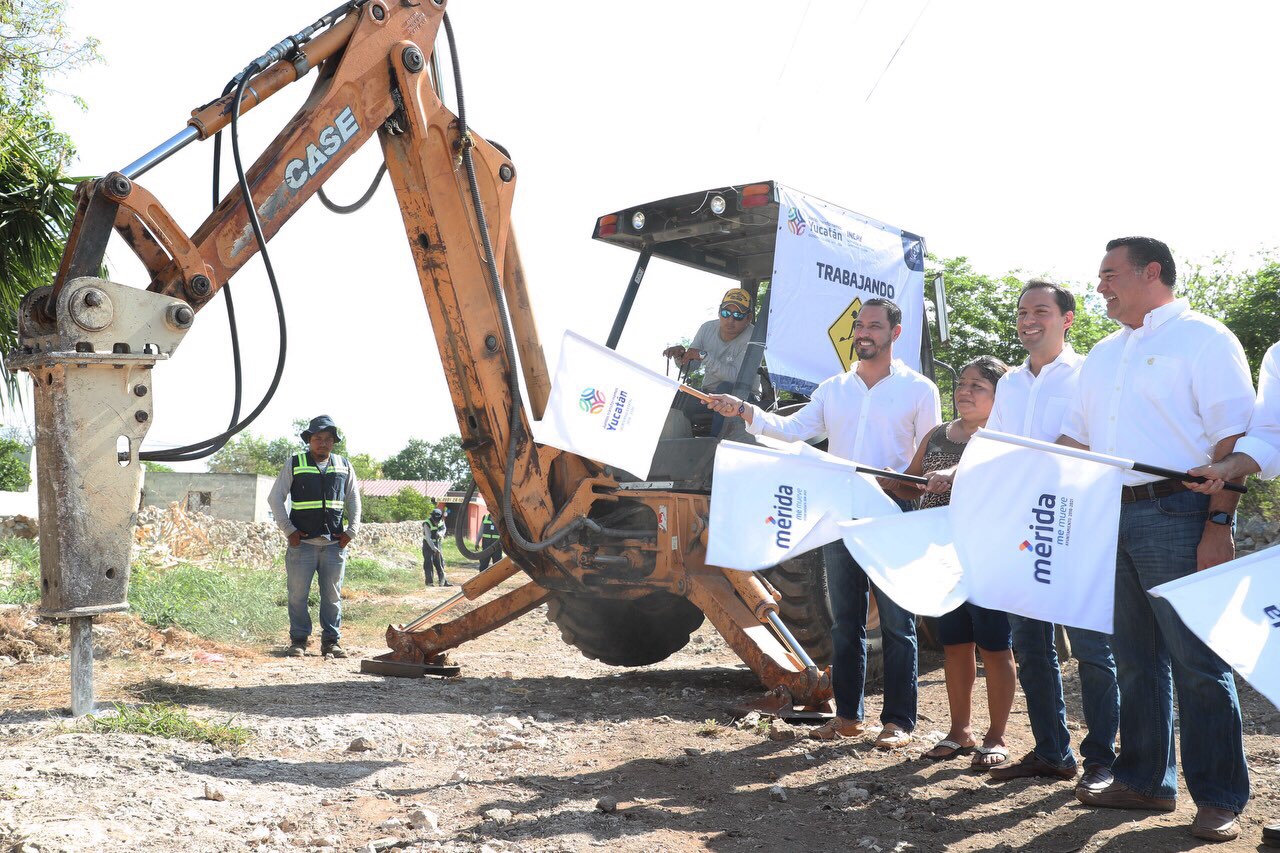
[620, 565]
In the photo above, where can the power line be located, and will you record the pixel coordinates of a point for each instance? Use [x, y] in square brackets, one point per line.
[895, 53]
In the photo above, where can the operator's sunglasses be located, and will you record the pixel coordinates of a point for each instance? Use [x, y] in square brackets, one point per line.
[727, 313]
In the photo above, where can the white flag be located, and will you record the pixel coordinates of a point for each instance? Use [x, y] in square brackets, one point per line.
[1036, 530]
[605, 407]
[769, 504]
[1235, 609]
[1029, 530]
[911, 558]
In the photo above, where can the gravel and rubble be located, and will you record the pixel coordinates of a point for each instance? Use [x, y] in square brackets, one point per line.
[534, 749]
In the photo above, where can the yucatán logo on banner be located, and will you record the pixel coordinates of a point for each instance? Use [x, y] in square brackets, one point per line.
[827, 262]
[795, 222]
[1050, 528]
[790, 508]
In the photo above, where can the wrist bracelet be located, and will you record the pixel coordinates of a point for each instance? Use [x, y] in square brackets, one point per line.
[742, 407]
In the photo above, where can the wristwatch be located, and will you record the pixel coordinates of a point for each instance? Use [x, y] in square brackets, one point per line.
[1223, 518]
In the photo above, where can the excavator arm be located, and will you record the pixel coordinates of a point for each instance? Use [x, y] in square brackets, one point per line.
[90, 346]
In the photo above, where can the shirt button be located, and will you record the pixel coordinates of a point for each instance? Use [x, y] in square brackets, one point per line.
[1151, 361]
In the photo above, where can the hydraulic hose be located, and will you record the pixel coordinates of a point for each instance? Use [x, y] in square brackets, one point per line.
[508, 338]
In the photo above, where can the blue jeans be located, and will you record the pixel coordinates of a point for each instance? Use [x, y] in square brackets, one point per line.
[1156, 653]
[848, 586]
[301, 563]
[1033, 643]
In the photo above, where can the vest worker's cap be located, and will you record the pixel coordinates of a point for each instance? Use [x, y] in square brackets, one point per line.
[320, 424]
[738, 298]
[437, 513]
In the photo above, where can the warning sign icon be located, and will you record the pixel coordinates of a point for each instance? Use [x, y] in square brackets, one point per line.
[841, 334]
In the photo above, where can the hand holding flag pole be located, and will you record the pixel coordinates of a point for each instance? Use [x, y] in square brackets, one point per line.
[862, 469]
[1118, 462]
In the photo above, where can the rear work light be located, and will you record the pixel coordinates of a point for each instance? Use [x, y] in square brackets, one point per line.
[608, 225]
[754, 195]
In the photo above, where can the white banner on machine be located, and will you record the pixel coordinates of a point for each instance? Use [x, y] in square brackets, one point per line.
[827, 262]
[605, 407]
[769, 504]
[1235, 609]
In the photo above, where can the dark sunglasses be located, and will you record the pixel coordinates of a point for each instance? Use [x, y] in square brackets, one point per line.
[737, 315]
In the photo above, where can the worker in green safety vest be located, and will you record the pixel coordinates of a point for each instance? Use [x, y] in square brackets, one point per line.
[322, 519]
[433, 531]
[487, 539]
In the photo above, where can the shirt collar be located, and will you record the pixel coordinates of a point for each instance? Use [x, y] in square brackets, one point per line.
[1068, 356]
[1159, 316]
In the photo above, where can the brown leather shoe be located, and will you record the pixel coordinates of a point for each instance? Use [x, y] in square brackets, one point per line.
[1214, 824]
[1032, 765]
[838, 728]
[1118, 795]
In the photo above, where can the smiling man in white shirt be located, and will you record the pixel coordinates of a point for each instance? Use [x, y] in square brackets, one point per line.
[1170, 388]
[1031, 401]
[875, 414]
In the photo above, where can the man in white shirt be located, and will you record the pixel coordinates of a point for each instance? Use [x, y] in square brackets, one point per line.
[1257, 453]
[1171, 388]
[875, 414]
[1031, 401]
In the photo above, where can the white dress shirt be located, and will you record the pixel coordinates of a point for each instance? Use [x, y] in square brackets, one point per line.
[878, 426]
[1263, 440]
[1034, 406]
[1164, 393]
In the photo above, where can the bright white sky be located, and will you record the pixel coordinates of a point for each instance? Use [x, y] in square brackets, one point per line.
[1022, 135]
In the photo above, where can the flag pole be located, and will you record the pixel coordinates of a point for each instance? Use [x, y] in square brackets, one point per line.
[861, 469]
[1092, 456]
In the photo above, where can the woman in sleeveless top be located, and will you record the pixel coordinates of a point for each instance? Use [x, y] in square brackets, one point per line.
[969, 625]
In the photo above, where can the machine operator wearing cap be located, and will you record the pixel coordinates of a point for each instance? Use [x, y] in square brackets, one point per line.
[720, 345]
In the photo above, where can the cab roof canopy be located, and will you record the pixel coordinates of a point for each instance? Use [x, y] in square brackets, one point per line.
[728, 231]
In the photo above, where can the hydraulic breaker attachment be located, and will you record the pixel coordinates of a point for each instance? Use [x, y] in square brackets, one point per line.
[91, 370]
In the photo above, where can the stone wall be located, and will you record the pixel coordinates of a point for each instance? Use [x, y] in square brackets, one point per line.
[176, 533]
[1256, 533]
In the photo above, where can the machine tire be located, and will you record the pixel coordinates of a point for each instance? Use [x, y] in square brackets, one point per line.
[625, 632]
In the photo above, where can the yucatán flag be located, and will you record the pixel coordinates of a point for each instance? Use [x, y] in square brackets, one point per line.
[1235, 609]
[605, 407]
[769, 504]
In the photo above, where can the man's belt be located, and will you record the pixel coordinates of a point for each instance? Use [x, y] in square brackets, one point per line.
[1151, 491]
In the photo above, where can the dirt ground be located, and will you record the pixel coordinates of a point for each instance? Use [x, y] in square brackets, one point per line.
[533, 748]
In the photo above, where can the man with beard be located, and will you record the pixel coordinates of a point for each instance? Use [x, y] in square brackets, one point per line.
[875, 414]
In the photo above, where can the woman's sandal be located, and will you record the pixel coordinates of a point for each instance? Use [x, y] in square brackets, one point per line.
[953, 749]
[984, 757]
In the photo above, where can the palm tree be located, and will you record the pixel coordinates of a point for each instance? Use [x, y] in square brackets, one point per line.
[36, 208]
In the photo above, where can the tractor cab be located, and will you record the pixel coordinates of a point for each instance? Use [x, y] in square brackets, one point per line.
[733, 233]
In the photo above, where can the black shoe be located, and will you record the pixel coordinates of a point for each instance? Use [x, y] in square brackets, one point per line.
[296, 650]
[445, 583]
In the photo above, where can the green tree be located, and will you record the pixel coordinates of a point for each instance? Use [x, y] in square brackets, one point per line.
[426, 460]
[407, 505]
[15, 473]
[1246, 301]
[36, 201]
[246, 453]
[367, 467]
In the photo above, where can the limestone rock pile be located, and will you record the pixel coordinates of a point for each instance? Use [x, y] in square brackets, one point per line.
[1256, 533]
[19, 527]
[175, 533]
